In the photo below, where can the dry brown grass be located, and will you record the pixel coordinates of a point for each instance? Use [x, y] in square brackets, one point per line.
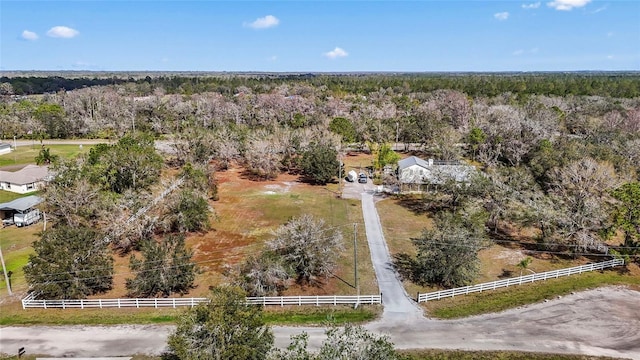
[402, 220]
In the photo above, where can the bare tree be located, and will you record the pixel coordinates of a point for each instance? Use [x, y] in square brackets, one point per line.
[307, 247]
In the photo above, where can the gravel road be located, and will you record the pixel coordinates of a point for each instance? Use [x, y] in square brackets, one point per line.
[604, 321]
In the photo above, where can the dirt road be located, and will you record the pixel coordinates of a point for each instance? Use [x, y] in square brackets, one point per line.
[604, 321]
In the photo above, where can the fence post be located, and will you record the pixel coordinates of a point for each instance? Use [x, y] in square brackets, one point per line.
[81, 304]
[174, 303]
[155, 302]
[137, 305]
[45, 303]
[63, 306]
[100, 302]
[118, 303]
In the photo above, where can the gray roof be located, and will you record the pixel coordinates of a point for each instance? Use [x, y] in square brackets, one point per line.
[410, 161]
[27, 175]
[21, 204]
[433, 172]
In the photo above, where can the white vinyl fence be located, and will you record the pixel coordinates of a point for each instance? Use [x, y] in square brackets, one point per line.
[30, 302]
[437, 295]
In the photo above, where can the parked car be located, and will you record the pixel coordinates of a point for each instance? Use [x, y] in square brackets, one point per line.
[362, 178]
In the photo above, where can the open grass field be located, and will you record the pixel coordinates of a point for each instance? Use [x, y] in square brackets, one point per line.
[16, 247]
[248, 211]
[401, 223]
[24, 155]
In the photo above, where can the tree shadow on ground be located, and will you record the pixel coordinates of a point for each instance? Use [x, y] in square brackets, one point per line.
[417, 205]
[248, 175]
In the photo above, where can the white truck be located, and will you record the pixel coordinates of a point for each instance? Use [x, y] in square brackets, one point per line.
[352, 176]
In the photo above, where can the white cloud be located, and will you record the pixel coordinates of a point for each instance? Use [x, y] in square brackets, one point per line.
[272, 58]
[264, 22]
[567, 5]
[534, 5]
[336, 53]
[610, 34]
[610, 57]
[603, 8]
[62, 32]
[501, 16]
[522, 51]
[29, 35]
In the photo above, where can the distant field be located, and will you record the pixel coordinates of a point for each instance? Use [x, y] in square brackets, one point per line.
[24, 155]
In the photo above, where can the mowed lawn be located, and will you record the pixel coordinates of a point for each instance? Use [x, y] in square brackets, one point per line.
[24, 155]
[16, 247]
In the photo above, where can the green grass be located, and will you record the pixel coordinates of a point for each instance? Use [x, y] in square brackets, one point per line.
[24, 155]
[6, 196]
[13, 314]
[511, 297]
[488, 355]
[16, 248]
[321, 315]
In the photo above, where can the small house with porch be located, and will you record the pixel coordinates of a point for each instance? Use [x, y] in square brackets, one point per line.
[415, 174]
[21, 211]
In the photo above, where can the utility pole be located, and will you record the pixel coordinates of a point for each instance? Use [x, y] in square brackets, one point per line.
[6, 277]
[355, 257]
[340, 174]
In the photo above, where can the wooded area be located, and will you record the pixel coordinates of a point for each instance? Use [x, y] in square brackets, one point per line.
[558, 153]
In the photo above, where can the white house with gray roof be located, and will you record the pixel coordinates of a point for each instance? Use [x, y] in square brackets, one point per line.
[414, 172]
[28, 179]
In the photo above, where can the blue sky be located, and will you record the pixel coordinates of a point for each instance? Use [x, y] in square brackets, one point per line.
[272, 35]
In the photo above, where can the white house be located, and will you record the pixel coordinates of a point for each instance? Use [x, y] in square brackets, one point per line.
[29, 178]
[414, 173]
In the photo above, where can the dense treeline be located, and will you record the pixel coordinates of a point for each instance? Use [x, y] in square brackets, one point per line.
[624, 85]
[43, 85]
